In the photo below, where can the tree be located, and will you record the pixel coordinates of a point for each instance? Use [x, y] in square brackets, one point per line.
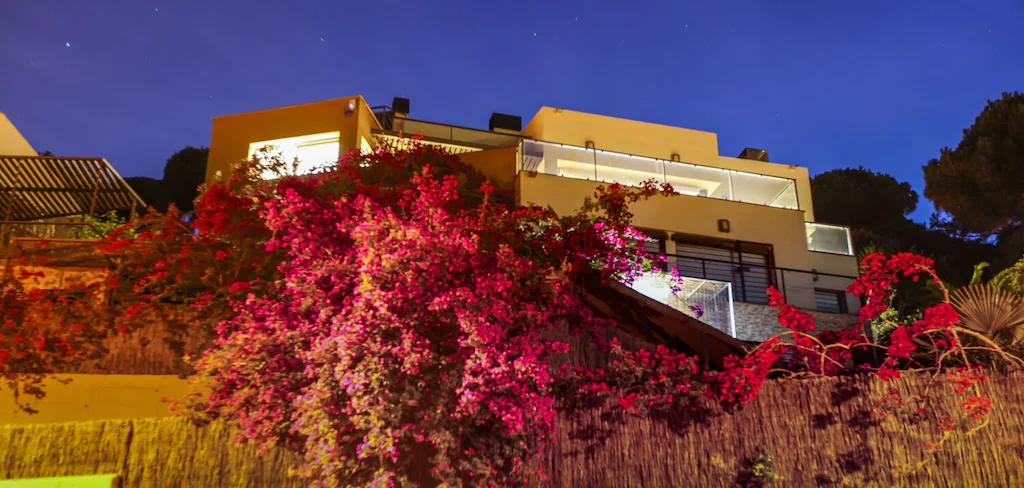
[979, 183]
[875, 207]
[184, 171]
[860, 198]
[150, 190]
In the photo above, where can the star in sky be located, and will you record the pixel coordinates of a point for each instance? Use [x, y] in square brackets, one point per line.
[68, 44]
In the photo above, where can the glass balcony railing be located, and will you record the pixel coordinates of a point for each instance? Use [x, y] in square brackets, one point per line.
[459, 135]
[625, 169]
[706, 300]
[829, 238]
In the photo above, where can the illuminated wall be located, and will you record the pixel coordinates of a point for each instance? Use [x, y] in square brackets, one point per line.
[232, 136]
[11, 141]
[96, 397]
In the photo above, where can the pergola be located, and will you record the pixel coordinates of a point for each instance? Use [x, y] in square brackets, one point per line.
[42, 188]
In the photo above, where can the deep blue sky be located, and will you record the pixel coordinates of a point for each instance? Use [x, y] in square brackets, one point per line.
[884, 84]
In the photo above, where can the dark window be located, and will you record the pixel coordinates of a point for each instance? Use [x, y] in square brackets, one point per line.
[748, 266]
[833, 301]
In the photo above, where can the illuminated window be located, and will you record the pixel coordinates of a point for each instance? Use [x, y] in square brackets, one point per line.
[312, 151]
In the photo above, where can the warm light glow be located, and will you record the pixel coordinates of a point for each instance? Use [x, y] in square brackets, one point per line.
[632, 170]
[312, 151]
[714, 296]
[687, 186]
[829, 238]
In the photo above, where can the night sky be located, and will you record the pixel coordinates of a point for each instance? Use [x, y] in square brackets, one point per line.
[884, 84]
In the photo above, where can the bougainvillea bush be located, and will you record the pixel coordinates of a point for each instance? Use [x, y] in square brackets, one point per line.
[387, 317]
[405, 339]
[390, 318]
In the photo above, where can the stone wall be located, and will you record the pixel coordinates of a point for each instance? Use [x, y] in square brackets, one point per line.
[756, 322]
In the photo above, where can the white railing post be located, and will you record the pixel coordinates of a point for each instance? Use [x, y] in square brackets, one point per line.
[732, 313]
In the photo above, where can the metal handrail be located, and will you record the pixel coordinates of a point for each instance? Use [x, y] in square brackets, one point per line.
[780, 268]
[745, 289]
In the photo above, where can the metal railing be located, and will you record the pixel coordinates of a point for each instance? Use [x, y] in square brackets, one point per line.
[433, 131]
[53, 229]
[750, 280]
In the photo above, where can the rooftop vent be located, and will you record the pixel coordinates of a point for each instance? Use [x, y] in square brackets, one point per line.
[754, 154]
[400, 107]
[509, 124]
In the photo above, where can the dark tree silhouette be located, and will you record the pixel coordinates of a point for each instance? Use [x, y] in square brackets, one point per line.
[151, 190]
[980, 184]
[184, 172]
[859, 198]
[875, 207]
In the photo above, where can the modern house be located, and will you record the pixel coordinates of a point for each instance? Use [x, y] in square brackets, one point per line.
[735, 225]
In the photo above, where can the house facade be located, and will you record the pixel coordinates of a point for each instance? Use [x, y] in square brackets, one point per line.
[734, 226]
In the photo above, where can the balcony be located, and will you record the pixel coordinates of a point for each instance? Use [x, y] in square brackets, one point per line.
[810, 290]
[631, 170]
[833, 239]
[706, 300]
[454, 139]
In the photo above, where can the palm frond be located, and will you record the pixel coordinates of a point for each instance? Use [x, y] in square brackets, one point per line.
[989, 310]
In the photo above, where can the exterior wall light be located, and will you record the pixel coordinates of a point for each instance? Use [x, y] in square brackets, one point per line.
[723, 225]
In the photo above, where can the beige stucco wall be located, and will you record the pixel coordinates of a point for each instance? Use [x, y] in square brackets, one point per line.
[96, 397]
[833, 263]
[623, 135]
[232, 134]
[12, 143]
[497, 165]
